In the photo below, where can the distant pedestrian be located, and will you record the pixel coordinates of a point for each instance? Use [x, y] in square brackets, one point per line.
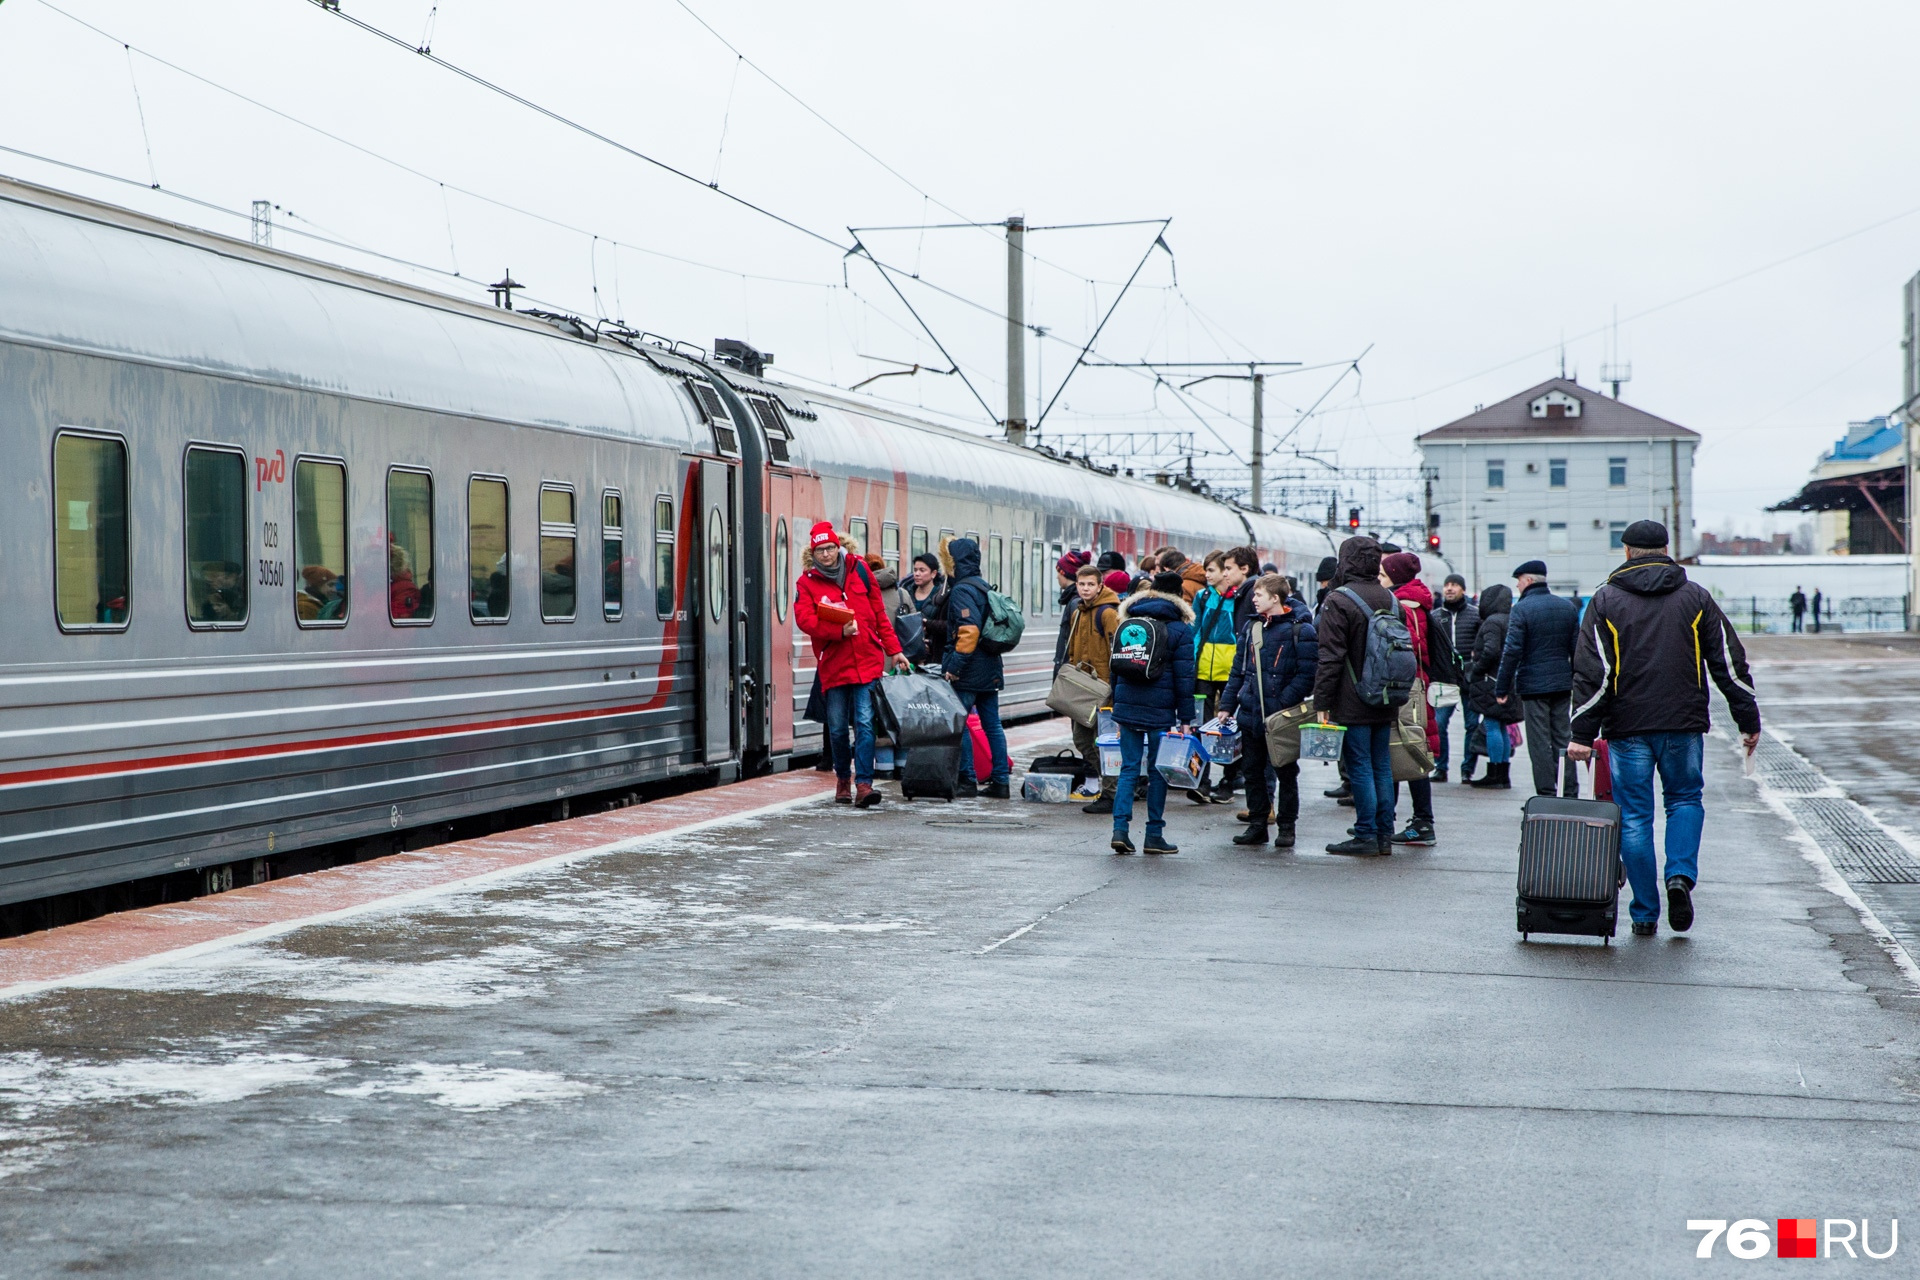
[1798, 603]
[1120, 582]
[1818, 601]
[852, 645]
[1647, 646]
[1066, 572]
[1456, 624]
[1147, 707]
[1537, 665]
[887, 578]
[1096, 616]
[1342, 626]
[1273, 669]
[1482, 668]
[976, 675]
[1323, 581]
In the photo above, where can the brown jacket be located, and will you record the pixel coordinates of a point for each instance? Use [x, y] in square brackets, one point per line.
[1090, 642]
[1193, 579]
[1341, 628]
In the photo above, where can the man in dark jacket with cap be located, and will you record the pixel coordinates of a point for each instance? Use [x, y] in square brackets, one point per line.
[1647, 645]
[1537, 664]
[976, 675]
[1341, 628]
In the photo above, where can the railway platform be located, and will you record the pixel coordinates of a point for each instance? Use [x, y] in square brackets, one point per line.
[750, 1033]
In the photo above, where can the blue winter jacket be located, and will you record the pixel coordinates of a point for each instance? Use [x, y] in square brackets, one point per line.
[1168, 700]
[973, 669]
[1287, 661]
[1537, 659]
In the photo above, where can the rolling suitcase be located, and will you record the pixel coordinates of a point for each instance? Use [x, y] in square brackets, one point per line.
[1569, 868]
[930, 772]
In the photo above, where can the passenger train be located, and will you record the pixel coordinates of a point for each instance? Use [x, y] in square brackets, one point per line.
[301, 555]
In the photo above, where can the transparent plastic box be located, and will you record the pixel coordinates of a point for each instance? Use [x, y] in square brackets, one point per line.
[1321, 741]
[1047, 788]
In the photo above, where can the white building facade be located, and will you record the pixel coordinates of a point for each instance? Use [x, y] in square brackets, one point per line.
[1556, 473]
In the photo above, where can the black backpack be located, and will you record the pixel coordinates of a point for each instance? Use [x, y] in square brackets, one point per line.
[1139, 650]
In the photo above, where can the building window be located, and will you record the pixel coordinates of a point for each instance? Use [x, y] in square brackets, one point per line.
[558, 534]
[1496, 537]
[782, 551]
[917, 541]
[320, 543]
[217, 539]
[1556, 537]
[410, 547]
[489, 572]
[1556, 473]
[613, 550]
[1616, 530]
[663, 557]
[90, 532]
[1496, 473]
[1616, 473]
[857, 530]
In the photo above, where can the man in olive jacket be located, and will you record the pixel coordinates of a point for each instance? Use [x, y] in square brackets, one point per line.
[1647, 645]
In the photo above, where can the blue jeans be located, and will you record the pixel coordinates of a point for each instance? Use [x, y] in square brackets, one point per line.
[1499, 746]
[1677, 757]
[851, 705]
[1369, 761]
[1443, 716]
[988, 705]
[1134, 743]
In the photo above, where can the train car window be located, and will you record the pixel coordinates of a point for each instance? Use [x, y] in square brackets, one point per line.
[1038, 579]
[217, 576]
[90, 532]
[1058, 551]
[1017, 573]
[716, 566]
[890, 545]
[410, 547]
[489, 571]
[996, 562]
[319, 543]
[557, 538]
[946, 536]
[663, 557]
[857, 530]
[613, 548]
[917, 541]
[782, 551]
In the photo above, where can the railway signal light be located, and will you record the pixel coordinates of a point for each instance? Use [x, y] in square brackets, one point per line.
[1433, 542]
[1353, 518]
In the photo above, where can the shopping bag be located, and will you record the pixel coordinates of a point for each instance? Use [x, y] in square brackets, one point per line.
[921, 711]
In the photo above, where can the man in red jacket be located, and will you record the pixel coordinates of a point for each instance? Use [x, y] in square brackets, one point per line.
[838, 605]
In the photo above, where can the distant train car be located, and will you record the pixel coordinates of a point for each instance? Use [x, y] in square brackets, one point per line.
[298, 555]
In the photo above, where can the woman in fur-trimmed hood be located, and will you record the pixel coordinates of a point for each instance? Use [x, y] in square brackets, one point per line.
[1168, 700]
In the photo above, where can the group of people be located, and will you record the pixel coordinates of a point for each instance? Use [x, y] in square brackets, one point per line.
[1182, 643]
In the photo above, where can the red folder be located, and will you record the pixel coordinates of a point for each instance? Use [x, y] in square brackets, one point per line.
[833, 613]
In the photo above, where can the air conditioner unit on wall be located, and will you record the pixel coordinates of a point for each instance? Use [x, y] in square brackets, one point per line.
[1533, 524]
[1532, 468]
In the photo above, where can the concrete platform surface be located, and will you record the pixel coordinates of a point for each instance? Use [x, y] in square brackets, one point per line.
[969, 1041]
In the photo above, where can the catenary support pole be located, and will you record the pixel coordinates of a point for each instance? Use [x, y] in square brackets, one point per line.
[1259, 435]
[1016, 424]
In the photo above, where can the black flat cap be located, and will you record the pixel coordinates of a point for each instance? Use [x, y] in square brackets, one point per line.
[1538, 568]
[1645, 534]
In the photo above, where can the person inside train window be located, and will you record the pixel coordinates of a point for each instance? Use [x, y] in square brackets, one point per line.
[216, 517]
[320, 542]
[410, 546]
[321, 594]
[927, 593]
[403, 595]
[837, 604]
[219, 592]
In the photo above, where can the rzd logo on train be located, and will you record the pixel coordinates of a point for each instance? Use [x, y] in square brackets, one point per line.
[1747, 1238]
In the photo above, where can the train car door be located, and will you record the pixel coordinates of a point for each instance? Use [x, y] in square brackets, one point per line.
[785, 569]
[719, 634]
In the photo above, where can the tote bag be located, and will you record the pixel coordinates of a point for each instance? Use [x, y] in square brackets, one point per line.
[1282, 727]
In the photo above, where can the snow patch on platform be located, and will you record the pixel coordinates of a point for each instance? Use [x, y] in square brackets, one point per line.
[471, 1086]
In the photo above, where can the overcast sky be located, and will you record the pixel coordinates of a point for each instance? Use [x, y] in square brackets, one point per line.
[1451, 188]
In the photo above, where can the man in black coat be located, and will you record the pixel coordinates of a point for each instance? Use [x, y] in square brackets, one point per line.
[1537, 664]
[1341, 629]
[1647, 645]
[1455, 625]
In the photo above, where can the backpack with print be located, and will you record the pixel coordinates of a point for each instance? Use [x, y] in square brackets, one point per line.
[1389, 666]
[1139, 650]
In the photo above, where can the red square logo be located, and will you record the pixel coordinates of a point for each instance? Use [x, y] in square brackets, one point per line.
[1794, 1238]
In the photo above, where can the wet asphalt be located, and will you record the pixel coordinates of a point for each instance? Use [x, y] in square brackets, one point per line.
[967, 1040]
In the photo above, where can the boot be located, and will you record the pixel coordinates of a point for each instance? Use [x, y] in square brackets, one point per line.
[999, 791]
[865, 797]
[1103, 805]
[1253, 835]
[1340, 792]
[1496, 779]
[965, 789]
[843, 791]
[1283, 835]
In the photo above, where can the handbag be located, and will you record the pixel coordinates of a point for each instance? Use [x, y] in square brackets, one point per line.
[1077, 693]
[910, 629]
[1283, 726]
[1412, 759]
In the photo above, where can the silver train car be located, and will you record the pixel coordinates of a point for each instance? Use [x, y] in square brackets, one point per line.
[301, 555]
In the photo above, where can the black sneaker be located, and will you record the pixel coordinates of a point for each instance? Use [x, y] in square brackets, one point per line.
[1158, 844]
[1120, 843]
[1356, 847]
[1283, 836]
[1416, 835]
[1103, 805]
[999, 791]
[1680, 903]
[1198, 796]
[1645, 928]
[1345, 802]
[1340, 792]
[1252, 835]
